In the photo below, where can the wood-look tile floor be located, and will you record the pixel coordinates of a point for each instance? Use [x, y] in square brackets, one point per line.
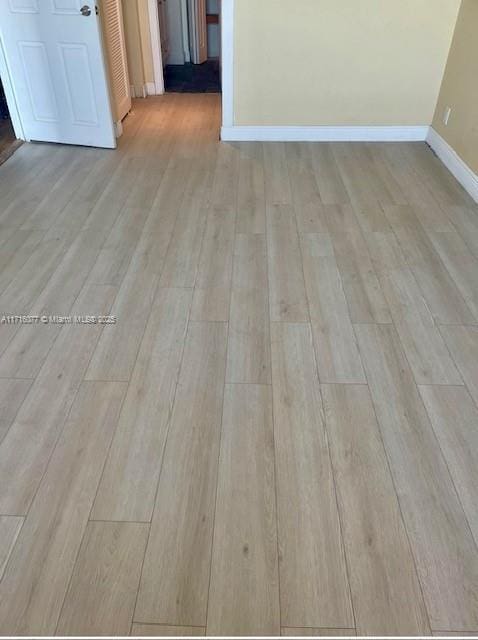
[279, 434]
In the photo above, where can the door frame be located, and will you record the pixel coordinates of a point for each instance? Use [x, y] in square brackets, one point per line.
[227, 56]
[10, 96]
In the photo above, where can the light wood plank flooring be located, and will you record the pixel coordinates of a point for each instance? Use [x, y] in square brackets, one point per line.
[278, 436]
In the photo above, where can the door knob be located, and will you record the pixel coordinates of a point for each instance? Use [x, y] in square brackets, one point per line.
[85, 10]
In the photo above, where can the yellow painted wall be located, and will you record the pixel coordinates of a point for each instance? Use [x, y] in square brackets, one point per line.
[138, 43]
[340, 62]
[146, 50]
[460, 88]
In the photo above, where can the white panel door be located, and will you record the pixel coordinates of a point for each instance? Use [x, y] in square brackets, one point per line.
[55, 60]
[198, 29]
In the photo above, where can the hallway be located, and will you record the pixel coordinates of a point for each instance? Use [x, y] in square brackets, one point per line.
[271, 426]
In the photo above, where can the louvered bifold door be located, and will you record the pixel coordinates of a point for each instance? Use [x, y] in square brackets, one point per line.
[113, 29]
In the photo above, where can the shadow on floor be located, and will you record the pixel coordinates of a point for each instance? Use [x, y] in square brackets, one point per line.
[8, 141]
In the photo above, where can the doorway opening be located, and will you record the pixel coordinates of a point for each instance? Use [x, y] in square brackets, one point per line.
[111, 56]
[8, 139]
[190, 45]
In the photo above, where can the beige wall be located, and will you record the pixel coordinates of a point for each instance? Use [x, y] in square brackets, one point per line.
[460, 88]
[138, 43]
[146, 50]
[340, 62]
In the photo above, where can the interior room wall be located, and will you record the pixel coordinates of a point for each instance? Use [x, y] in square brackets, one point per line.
[179, 40]
[459, 90]
[144, 30]
[340, 62]
[133, 46]
[138, 44]
[213, 30]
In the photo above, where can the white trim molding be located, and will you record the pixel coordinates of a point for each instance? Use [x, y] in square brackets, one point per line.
[150, 88]
[138, 91]
[144, 90]
[156, 87]
[324, 134]
[452, 161]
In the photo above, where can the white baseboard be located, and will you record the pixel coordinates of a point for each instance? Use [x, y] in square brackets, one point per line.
[150, 88]
[324, 134]
[145, 90]
[139, 91]
[452, 161]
